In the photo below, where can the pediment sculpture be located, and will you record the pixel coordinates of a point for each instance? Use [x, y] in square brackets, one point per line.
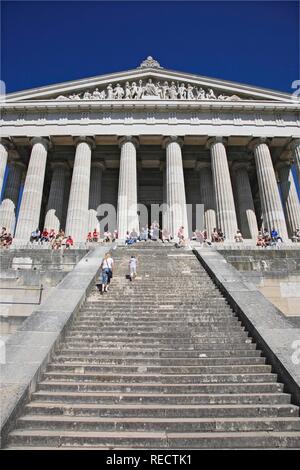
[150, 90]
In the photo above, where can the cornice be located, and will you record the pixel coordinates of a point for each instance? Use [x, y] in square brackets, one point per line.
[133, 105]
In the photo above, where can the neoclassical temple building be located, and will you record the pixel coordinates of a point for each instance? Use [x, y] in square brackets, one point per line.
[149, 136]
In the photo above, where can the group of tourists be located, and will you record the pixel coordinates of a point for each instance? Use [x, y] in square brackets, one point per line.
[5, 238]
[108, 237]
[266, 238]
[50, 237]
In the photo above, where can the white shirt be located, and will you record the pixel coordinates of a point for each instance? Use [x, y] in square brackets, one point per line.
[107, 263]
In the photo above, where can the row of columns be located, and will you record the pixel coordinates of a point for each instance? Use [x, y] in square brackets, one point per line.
[216, 190]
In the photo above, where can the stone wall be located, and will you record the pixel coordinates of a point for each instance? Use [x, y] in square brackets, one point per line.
[27, 276]
[275, 272]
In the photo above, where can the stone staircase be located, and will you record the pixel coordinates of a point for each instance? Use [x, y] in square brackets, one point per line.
[160, 362]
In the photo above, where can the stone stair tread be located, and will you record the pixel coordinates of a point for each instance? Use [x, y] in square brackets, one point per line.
[149, 435]
[139, 395]
[139, 406]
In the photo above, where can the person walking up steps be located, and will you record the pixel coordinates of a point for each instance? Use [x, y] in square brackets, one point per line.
[132, 267]
[107, 267]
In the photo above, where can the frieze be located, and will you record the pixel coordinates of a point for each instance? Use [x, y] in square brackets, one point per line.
[139, 90]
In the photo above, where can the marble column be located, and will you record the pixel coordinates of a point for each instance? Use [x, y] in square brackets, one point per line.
[66, 198]
[226, 215]
[289, 195]
[272, 210]
[95, 195]
[244, 199]
[207, 196]
[3, 163]
[77, 216]
[11, 195]
[30, 208]
[165, 214]
[127, 217]
[54, 210]
[295, 147]
[176, 198]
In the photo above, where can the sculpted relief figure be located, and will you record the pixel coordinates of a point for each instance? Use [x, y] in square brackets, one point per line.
[118, 92]
[165, 91]
[190, 93]
[210, 95]
[172, 92]
[96, 94]
[182, 91]
[87, 95]
[127, 91]
[200, 94]
[134, 91]
[110, 92]
[151, 89]
[140, 90]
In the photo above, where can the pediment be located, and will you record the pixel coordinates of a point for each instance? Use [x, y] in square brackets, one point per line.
[148, 83]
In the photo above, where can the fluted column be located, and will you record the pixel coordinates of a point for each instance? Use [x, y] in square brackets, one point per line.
[95, 195]
[127, 217]
[207, 196]
[226, 215]
[176, 198]
[30, 208]
[272, 210]
[66, 198]
[77, 216]
[165, 222]
[54, 210]
[295, 147]
[289, 195]
[11, 195]
[245, 205]
[3, 163]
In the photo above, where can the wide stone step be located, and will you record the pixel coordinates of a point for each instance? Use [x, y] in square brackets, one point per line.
[70, 359]
[162, 378]
[175, 399]
[158, 331]
[59, 384]
[149, 324]
[125, 369]
[246, 350]
[153, 440]
[93, 423]
[163, 410]
[197, 343]
[161, 337]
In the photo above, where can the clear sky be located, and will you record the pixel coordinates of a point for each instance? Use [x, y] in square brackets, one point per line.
[253, 42]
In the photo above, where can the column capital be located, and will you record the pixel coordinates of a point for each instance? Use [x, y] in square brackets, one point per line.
[216, 140]
[172, 139]
[59, 164]
[256, 141]
[294, 144]
[240, 164]
[201, 165]
[98, 164]
[128, 138]
[283, 164]
[90, 140]
[45, 141]
[7, 143]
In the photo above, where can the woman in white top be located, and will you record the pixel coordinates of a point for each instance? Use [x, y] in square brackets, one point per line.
[107, 267]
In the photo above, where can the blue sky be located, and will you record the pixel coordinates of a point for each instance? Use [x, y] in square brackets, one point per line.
[249, 42]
